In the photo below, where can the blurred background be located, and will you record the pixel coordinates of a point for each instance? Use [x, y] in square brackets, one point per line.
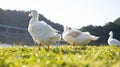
[96, 17]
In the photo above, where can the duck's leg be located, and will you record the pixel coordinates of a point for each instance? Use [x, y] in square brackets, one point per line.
[39, 45]
[74, 45]
[48, 46]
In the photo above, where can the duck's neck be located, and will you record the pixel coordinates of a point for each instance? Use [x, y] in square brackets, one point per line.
[34, 19]
[111, 36]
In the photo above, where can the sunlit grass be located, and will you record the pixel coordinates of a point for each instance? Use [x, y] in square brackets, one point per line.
[64, 56]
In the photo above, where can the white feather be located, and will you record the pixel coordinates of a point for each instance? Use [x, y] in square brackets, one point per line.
[82, 38]
[112, 41]
[41, 32]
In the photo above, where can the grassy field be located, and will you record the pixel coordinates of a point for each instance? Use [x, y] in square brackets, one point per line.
[64, 56]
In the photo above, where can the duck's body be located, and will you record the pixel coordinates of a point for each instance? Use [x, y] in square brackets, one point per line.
[112, 41]
[75, 36]
[41, 32]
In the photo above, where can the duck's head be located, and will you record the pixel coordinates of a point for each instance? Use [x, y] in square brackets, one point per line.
[34, 13]
[110, 33]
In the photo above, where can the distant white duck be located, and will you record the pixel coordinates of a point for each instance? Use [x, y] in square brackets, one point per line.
[75, 36]
[112, 41]
[41, 32]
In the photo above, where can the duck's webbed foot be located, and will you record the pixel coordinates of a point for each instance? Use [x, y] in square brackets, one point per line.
[39, 46]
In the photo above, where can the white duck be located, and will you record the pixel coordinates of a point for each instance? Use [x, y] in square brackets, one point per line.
[112, 41]
[41, 32]
[75, 36]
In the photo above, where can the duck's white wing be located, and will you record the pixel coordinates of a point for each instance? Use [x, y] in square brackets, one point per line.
[51, 29]
[74, 33]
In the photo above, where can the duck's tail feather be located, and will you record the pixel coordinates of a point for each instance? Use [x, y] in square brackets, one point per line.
[95, 37]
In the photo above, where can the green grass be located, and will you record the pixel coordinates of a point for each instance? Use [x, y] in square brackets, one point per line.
[64, 56]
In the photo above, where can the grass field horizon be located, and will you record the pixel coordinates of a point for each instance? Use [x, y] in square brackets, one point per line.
[60, 56]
